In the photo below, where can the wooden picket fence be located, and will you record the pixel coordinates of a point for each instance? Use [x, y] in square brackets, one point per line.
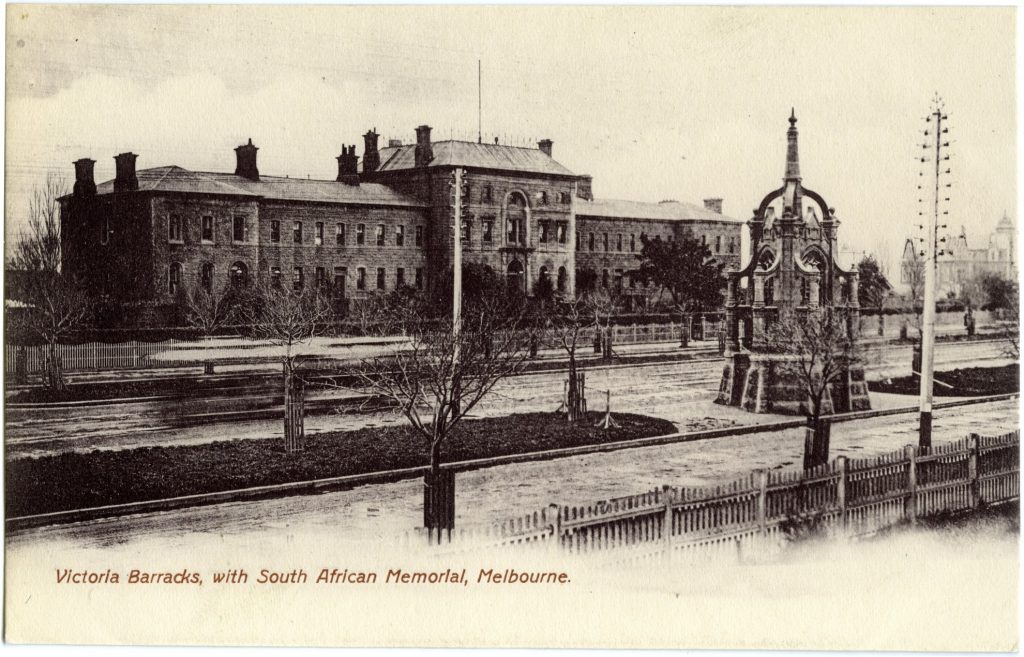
[755, 516]
[96, 356]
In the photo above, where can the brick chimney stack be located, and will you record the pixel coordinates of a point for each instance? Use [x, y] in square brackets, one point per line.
[584, 187]
[713, 204]
[246, 161]
[125, 179]
[545, 146]
[85, 183]
[424, 151]
[348, 171]
[371, 156]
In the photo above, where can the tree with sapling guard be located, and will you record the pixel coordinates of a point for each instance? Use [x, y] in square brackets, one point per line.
[287, 319]
[208, 311]
[55, 306]
[566, 321]
[438, 378]
[818, 350]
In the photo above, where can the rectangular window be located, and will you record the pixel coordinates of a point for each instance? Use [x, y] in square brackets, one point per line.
[297, 280]
[419, 235]
[380, 234]
[275, 231]
[632, 242]
[360, 234]
[605, 240]
[321, 277]
[399, 235]
[618, 243]
[239, 229]
[703, 240]
[618, 280]
[543, 226]
[487, 226]
[339, 234]
[361, 278]
[487, 195]
[208, 230]
[297, 232]
[563, 232]
[419, 278]
[340, 280]
[718, 243]
[543, 198]
[466, 233]
[319, 237]
[591, 241]
[380, 278]
[400, 277]
[732, 245]
[174, 229]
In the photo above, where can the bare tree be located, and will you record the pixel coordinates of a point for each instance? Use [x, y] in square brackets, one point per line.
[602, 306]
[208, 311]
[820, 350]
[55, 306]
[565, 324]
[440, 376]
[288, 319]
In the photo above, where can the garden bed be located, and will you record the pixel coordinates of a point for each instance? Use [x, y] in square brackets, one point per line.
[102, 477]
[967, 382]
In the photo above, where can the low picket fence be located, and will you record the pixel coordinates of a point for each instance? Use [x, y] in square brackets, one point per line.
[95, 356]
[756, 515]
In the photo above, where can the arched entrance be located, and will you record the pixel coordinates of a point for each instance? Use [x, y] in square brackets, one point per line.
[516, 277]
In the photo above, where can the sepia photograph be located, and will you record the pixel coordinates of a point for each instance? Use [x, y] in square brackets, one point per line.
[511, 327]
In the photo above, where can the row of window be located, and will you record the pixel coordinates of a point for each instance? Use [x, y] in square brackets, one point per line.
[542, 197]
[339, 282]
[240, 232]
[606, 243]
[548, 231]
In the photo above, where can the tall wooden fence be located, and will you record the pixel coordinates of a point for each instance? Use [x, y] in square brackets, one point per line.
[759, 512]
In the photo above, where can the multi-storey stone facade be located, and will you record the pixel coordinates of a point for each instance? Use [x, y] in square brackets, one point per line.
[149, 234]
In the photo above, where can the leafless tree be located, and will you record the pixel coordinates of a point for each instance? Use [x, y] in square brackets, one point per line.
[56, 307]
[287, 319]
[207, 311]
[602, 305]
[565, 324]
[820, 350]
[441, 375]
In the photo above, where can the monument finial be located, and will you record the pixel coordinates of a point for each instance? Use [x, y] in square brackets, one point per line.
[792, 155]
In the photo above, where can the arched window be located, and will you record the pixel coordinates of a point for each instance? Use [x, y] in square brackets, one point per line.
[562, 279]
[174, 278]
[515, 218]
[206, 276]
[543, 273]
[239, 274]
[515, 276]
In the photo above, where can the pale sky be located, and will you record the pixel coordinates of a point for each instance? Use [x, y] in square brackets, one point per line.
[655, 103]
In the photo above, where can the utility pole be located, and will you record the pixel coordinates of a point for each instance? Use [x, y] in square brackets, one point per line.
[458, 190]
[935, 120]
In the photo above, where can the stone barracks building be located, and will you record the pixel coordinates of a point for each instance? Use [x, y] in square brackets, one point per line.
[382, 223]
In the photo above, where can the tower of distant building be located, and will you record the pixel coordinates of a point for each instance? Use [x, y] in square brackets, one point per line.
[960, 264]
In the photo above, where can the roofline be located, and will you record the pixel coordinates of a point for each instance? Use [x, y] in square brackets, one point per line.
[442, 167]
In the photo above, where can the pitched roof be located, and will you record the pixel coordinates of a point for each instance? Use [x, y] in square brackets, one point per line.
[472, 154]
[177, 179]
[667, 211]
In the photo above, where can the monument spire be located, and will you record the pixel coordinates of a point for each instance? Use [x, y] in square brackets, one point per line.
[792, 155]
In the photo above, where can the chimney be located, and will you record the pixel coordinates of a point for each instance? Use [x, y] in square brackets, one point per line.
[371, 156]
[246, 161]
[583, 187]
[713, 204]
[545, 146]
[347, 169]
[85, 183]
[394, 143]
[424, 151]
[125, 180]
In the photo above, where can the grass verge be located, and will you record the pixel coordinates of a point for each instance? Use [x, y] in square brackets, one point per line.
[81, 480]
[967, 382]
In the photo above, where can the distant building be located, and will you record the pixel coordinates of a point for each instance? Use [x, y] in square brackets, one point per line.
[959, 265]
[382, 223]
